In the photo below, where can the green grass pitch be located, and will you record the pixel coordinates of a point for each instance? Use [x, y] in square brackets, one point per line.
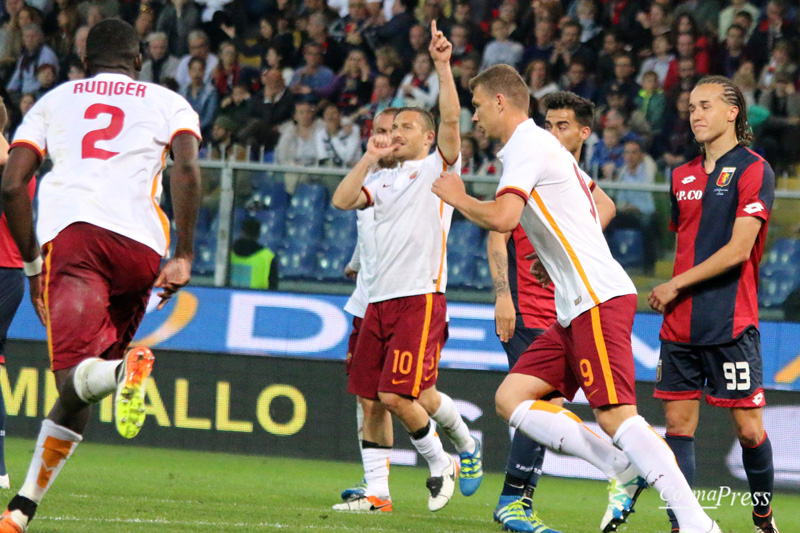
[128, 489]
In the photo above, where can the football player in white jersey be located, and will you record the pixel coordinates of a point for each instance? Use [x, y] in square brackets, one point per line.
[376, 436]
[103, 236]
[590, 344]
[396, 356]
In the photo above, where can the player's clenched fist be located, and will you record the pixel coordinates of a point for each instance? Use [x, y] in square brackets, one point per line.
[440, 48]
[449, 187]
[662, 295]
[380, 145]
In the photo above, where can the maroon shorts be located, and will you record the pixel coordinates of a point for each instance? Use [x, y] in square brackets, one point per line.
[351, 343]
[398, 347]
[96, 286]
[593, 353]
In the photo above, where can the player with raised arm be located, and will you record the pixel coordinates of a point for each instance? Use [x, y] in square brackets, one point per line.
[396, 356]
[376, 436]
[590, 344]
[721, 204]
[103, 237]
[525, 308]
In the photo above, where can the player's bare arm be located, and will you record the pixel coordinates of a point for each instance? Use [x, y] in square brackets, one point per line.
[449, 140]
[733, 254]
[501, 214]
[185, 186]
[606, 210]
[3, 141]
[505, 316]
[348, 194]
[22, 164]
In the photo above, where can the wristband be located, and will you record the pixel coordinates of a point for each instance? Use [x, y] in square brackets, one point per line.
[34, 268]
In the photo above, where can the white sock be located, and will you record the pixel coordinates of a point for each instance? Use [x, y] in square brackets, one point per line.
[653, 458]
[53, 447]
[95, 379]
[360, 422]
[376, 471]
[449, 421]
[562, 431]
[430, 447]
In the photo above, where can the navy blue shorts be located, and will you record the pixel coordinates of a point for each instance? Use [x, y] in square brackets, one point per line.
[731, 373]
[519, 342]
[12, 288]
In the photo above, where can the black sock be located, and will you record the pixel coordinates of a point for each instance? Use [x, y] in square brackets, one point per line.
[760, 475]
[369, 444]
[26, 505]
[513, 485]
[420, 433]
[683, 448]
[527, 496]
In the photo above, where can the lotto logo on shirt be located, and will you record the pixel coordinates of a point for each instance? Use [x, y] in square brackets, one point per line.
[725, 176]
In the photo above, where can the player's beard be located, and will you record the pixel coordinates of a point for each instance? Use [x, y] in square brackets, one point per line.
[387, 162]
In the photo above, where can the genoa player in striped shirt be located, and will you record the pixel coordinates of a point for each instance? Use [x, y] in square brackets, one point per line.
[721, 203]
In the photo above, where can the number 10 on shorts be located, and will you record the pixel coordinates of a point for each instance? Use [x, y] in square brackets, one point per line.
[737, 375]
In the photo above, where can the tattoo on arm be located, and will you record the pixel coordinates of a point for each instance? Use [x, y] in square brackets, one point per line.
[500, 281]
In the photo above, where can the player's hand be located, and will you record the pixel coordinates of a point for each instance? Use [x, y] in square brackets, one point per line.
[505, 317]
[662, 296]
[538, 271]
[449, 187]
[350, 273]
[380, 145]
[175, 275]
[440, 48]
[37, 297]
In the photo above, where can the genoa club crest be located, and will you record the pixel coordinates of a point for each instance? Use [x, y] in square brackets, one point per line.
[725, 176]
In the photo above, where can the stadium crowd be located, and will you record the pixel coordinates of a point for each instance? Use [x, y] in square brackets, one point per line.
[298, 81]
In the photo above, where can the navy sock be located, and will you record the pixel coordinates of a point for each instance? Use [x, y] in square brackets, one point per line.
[521, 463]
[760, 475]
[2, 435]
[683, 448]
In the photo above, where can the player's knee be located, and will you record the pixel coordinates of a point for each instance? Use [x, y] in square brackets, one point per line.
[504, 403]
[750, 435]
[391, 401]
[680, 422]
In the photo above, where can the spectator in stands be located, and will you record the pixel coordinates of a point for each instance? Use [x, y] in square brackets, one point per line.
[333, 52]
[236, 106]
[314, 79]
[395, 33]
[95, 13]
[223, 145]
[75, 71]
[26, 102]
[320, 6]
[619, 119]
[418, 38]
[500, 49]
[508, 13]
[745, 79]
[687, 48]
[774, 28]
[264, 39]
[200, 94]
[651, 103]
[678, 139]
[354, 84]
[727, 15]
[577, 81]
[339, 141]
[47, 75]
[613, 44]
[734, 51]
[34, 54]
[607, 156]
[268, 111]
[636, 209]
[586, 11]
[704, 15]
[145, 23]
[662, 60]
[465, 72]
[459, 38]
[253, 265]
[297, 144]
[381, 98]
[623, 81]
[177, 20]
[14, 45]
[420, 87]
[78, 51]
[462, 14]
[388, 63]
[160, 64]
[540, 83]
[62, 39]
[228, 72]
[687, 78]
[347, 31]
[567, 47]
[782, 128]
[276, 58]
[199, 48]
[655, 22]
[470, 158]
[781, 60]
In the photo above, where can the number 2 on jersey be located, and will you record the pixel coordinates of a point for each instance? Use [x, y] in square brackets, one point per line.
[587, 191]
[88, 148]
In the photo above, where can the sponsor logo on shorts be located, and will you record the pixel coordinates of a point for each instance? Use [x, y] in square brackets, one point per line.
[758, 399]
[398, 381]
[725, 176]
[752, 209]
[578, 300]
[658, 372]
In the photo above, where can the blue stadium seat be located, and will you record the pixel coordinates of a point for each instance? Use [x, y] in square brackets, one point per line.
[306, 228]
[272, 195]
[627, 247]
[483, 276]
[205, 218]
[331, 263]
[785, 253]
[205, 250]
[460, 269]
[298, 261]
[775, 284]
[465, 237]
[308, 197]
[340, 228]
[273, 225]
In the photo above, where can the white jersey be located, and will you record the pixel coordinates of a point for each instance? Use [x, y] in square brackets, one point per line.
[411, 228]
[108, 137]
[560, 219]
[367, 255]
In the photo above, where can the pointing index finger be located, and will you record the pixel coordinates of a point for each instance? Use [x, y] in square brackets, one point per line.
[433, 28]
